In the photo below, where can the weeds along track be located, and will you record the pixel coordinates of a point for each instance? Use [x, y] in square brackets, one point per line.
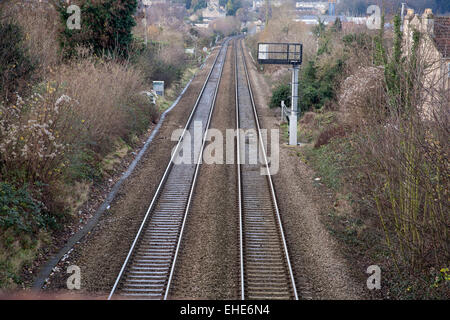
[149, 266]
[266, 271]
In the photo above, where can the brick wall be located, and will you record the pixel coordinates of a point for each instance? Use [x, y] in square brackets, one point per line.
[442, 35]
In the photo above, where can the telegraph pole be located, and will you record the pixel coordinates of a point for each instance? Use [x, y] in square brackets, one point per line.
[403, 14]
[145, 3]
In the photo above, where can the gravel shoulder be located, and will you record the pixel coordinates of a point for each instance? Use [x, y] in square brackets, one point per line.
[320, 270]
[101, 253]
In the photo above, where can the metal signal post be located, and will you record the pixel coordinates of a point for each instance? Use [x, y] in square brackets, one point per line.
[294, 106]
[285, 53]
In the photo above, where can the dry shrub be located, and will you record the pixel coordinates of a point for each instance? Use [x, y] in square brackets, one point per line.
[361, 93]
[171, 51]
[35, 134]
[225, 26]
[308, 118]
[108, 99]
[328, 134]
[400, 168]
[40, 22]
[88, 105]
[404, 159]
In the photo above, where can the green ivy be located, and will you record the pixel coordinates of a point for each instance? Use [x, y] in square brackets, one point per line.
[19, 211]
[281, 92]
[106, 26]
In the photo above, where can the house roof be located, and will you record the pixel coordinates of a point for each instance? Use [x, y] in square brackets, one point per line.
[442, 35]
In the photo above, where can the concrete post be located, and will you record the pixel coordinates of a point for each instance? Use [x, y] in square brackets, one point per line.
[294, 104]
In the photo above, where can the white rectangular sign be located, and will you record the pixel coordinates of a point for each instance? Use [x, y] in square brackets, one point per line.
[262, 51]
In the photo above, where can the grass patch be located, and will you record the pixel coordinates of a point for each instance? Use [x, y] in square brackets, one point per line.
[112, 159]
[329, 161]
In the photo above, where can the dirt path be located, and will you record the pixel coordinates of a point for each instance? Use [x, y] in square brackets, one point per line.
[208, 264]
[100, 255]
[320, 271]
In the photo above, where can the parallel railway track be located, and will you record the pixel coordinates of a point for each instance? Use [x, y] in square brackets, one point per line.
[149, 266]
[266, 272]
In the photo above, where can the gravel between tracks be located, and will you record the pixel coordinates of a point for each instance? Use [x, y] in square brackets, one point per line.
[320, 271]
[100, 254]
[207, 267]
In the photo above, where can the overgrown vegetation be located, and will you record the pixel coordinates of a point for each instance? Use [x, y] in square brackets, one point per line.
[105, 28]
[72, 102]
[401, 172]
[410, 160]
[375, 118]
[17, 65]
[281, 93]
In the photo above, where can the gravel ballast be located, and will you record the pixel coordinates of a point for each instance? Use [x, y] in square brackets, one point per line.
[208, 263]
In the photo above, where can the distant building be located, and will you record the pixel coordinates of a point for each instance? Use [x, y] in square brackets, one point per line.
[312, 8]
[202, 25]
[329, 20]
[257, 4]
[213, 11]
[434, 50]
[148, 3]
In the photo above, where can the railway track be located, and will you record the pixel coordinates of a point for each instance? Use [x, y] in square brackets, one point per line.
[266, 271]
[149, 266]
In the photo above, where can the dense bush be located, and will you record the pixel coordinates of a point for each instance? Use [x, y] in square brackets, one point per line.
[74, 115]
[232, 6]
[106, 26]
[400, 119]
[281, 93]
[320, 72]
[16, 66]
[317, 85]
[156, 67]
[19, 211]
[199, 4]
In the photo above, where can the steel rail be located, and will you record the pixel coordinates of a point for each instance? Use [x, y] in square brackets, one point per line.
[269, 178]
[165, 175]
[238, 159]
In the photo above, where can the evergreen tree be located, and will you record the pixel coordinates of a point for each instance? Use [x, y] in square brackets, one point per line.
[106, 26]
[233, 6]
